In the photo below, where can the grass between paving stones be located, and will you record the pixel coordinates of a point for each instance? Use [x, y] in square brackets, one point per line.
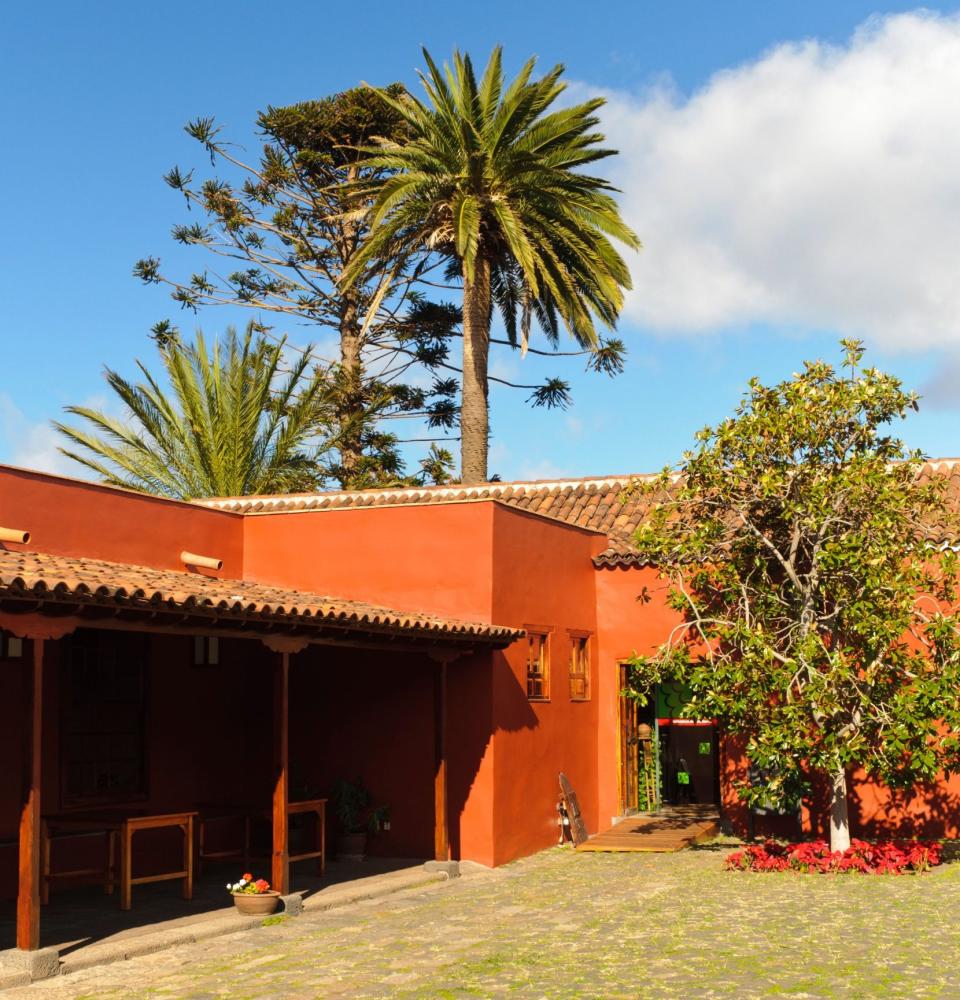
[606, 926]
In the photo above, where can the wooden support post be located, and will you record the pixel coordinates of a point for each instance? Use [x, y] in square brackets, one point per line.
[280, 870]
[28, 896]
[441, 838]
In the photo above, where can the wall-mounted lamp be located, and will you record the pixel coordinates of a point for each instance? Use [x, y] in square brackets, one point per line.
[206, 562]
[14, 535]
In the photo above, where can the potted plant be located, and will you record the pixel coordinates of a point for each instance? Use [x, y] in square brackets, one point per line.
[358, 818]
[253, 897]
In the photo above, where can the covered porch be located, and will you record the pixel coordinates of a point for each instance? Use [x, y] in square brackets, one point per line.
[208, 703]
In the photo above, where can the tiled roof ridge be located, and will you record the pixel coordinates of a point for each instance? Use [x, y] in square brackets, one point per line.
[456, 491]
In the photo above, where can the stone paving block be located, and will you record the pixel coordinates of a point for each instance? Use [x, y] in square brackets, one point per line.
[39, 964]
[563, 925]
[10, 978]
[449, 868]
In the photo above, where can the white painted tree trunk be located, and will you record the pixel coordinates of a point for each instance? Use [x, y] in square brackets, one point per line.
[839, 820]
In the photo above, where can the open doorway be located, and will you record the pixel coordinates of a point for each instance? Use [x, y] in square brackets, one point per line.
[688, 753]
[639, 766]
[688, 750]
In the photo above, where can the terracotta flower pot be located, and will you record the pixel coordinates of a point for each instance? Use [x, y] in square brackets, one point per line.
[257, 904]
[353, 846]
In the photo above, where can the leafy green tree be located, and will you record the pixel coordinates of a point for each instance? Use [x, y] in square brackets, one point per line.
[811, 590]
[231, 423]
[491, 179]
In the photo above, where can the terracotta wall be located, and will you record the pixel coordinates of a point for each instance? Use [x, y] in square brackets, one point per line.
[72, 518]
[543, 575]
[415, 558]
[431, 558]
[370, 715]
[488, 562]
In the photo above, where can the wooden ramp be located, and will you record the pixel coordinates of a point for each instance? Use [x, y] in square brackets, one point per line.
[671, 829]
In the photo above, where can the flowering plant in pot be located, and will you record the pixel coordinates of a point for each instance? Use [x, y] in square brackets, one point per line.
[358, 818]
[253, 896]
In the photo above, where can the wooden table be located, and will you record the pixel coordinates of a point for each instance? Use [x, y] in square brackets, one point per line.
[119, 827]
[244, 813]
[223, 814]
[319, 807]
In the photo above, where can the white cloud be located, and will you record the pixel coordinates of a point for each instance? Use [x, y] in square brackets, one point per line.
[31, 445]
[815, 188]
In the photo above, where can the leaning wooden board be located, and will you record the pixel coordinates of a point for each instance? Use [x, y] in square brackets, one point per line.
[578, 829]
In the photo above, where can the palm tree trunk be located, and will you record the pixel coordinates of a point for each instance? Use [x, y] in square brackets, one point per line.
[474, 419]
[839, 820]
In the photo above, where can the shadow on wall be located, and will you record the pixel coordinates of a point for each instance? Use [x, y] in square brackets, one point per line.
[472, 722]
[369, 715]
[927, 812]
[876, 812]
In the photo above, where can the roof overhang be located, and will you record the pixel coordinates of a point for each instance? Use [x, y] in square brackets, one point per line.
[98, 594]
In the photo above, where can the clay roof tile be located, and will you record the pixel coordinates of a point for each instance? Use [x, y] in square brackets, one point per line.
[75, 580]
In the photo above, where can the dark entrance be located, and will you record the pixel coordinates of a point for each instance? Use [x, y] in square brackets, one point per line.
[689, 761]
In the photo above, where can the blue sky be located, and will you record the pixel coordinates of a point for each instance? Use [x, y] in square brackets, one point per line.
[790, 168]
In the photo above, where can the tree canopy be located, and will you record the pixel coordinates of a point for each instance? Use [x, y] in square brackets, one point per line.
[804, 557]
[491, 177]
[282, 229]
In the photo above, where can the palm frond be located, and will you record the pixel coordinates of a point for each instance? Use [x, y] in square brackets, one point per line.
[227, 423]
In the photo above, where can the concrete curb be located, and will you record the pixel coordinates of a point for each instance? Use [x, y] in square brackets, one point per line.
[148, 943]
[380, 885]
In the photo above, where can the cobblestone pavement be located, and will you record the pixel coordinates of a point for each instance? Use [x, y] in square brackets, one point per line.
[563, 925]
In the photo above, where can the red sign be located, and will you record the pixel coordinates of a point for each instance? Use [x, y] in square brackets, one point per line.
[686, 722]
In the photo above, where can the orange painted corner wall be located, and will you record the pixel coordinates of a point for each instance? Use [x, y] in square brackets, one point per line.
[543, 576]
[625, 625]
[68, 517]
[416, 558]
[435, 559]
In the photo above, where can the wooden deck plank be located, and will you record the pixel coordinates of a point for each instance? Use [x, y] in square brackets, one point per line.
[668, 831]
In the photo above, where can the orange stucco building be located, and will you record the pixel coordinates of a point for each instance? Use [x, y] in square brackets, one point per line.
[454, 647]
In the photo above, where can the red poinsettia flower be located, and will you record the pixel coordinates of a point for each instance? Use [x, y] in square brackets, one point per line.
[884, 858]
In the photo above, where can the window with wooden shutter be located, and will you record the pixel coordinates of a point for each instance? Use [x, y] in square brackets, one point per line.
[538, 665]
[579, 666]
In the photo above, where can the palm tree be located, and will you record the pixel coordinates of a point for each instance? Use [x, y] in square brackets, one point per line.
[492, 179]
[234, 424]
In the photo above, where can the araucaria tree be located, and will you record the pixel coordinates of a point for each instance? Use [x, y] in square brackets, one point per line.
[493, 180]
[284, 227]
[232, 422]
[815, 597]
